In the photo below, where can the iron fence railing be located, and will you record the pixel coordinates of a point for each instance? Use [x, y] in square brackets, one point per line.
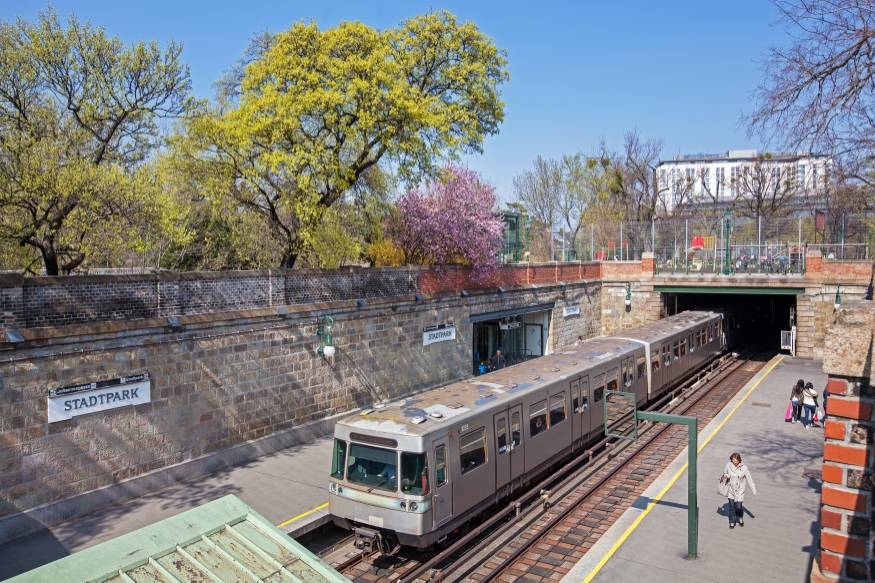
[725, 244]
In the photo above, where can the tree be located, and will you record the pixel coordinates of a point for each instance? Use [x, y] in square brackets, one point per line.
[818, 93]
[541, 190]
[313, 111]
[78, 112]
[634, 168]
[454, 220]
[765, 188]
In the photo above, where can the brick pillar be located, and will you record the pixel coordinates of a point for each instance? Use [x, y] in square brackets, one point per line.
[648, 263]
[813, 261]
[847, 535]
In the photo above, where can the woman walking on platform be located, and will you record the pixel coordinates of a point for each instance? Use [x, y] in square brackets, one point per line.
[796, 400]
[739, 477]
[809, 402]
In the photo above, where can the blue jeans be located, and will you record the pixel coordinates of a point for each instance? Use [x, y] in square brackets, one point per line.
[736, 510]
[808, 417]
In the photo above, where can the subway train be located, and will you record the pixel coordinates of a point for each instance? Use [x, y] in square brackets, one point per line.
[414, 471]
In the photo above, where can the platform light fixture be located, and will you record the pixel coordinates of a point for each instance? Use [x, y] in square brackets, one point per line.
[838, 301]
[326, 342]
[628, 300]
[173, 323]
[14, 337]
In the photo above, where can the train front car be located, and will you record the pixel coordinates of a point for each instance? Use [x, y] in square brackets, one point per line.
[380, 484]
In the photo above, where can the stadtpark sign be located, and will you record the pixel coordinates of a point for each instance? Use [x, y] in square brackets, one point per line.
[69, 402]
[438, 333]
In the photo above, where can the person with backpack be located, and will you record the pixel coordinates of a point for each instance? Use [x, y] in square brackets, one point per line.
[809, 403]
[739, 477]
[796, 400]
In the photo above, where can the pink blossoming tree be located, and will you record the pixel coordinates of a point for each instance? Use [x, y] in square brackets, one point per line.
[453, 220]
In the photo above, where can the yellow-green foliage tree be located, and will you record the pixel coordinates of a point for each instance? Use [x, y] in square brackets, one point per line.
[309, 112]
[78, 113]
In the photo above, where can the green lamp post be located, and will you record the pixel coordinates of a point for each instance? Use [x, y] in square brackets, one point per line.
[726, 243]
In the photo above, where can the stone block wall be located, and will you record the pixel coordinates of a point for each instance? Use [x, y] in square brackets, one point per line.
[848, 501]
[616, 316]
[228, 386]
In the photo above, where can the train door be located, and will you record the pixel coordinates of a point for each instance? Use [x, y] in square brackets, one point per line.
[640, 375]
[516, 444]
[442, 496]
[597, 407]
[503, 448]
[582, 414]
[576, 419]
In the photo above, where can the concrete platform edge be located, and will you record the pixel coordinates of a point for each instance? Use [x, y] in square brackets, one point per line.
[601, 548]
[26, 523]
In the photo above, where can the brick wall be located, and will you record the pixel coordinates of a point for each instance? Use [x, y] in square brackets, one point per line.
[848, 507]
[842, 271]
[456, 278]
[226, 382]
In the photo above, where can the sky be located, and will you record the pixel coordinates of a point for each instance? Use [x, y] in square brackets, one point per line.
[680, 71]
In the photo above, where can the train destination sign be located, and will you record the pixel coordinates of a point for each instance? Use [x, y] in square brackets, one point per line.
[70, 402]
[571, 310]
[439, 333]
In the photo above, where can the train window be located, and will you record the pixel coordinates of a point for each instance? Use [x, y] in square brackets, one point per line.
[414, 474]
[538, 418]
[501, 435]
[440, 465]
[338, 459]
[372, 466]
[625, 378]
[684, 347]
[654, 361]
[584, 396]
[641, 365]
[612, 379]
[515, 429]
[557, 409]
[598, 391]
[676, 349]
[666, 358]
[472, 450]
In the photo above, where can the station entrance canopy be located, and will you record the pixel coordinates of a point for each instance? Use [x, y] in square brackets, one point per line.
[753, 291]
[223, 540]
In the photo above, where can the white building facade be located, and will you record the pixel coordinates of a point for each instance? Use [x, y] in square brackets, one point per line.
[723, 179]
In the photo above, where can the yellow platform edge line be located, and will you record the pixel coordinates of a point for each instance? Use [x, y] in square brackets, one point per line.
[671, 482]
[291, 520]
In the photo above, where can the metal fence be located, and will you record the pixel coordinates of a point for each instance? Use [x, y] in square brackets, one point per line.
[726, 244]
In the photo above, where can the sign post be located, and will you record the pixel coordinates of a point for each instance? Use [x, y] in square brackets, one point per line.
[692, 495]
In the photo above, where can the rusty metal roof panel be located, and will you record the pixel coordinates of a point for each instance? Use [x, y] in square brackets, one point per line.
[220, 541]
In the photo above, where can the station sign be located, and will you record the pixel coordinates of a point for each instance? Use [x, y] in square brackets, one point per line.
[511, 325]
[438, 333]
[571, 311]
[69, 402]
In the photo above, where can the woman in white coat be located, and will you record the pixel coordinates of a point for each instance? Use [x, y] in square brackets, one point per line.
[739, 477]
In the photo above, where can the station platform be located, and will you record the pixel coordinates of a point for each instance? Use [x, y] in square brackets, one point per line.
[289, 488]
[782, 523]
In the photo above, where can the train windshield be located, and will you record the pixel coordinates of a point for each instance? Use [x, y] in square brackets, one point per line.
[414, 474]
[372, 466]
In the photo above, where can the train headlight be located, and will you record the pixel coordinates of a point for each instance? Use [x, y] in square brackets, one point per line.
[332, 487]
[403, 505]
[413, 506]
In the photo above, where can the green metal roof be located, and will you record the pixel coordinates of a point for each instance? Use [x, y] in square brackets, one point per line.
[221, 541]
[753, 291]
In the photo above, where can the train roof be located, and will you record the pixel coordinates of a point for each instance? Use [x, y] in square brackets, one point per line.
[426, 412]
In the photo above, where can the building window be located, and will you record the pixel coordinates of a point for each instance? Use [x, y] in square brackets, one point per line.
[721, 177]
[706, 179]
[733, 184]
[800, 176]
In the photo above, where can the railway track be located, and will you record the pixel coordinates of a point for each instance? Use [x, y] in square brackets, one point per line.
[547, 529]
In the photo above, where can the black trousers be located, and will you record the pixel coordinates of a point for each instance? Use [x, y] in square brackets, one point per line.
[736, 510]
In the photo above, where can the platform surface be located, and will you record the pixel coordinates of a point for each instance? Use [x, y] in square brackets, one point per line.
[780, 536]
[279, 486]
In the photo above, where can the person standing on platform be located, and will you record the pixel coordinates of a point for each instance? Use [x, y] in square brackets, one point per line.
[796, 400]
[498, 361]
[739, 477]
[809, 403]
